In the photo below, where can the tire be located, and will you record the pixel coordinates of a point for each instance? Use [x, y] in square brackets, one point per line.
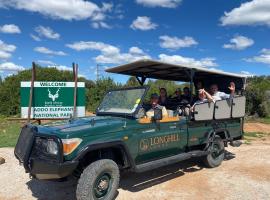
[215, 158]
[100, 172]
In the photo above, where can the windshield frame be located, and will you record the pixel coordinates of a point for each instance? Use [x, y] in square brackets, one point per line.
[129, 115]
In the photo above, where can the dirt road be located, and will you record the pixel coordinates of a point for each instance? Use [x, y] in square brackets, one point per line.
[244, 174]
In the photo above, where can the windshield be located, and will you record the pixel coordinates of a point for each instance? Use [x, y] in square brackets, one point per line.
[121, 101]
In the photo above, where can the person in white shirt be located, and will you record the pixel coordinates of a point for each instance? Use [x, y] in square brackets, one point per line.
[203, 98]
[217, 95]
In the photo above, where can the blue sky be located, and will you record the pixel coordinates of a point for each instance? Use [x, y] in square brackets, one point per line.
[220, 34]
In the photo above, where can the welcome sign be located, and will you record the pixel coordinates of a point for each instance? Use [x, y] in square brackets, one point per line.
[52, 99]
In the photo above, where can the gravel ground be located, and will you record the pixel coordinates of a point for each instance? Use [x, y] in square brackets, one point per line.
[244, 174]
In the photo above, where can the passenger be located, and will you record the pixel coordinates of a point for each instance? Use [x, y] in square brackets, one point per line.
[177, 95]
[154, 105]
[163, 99]
[198, 87]
[217, 95]
[186, 96]
[203, 98]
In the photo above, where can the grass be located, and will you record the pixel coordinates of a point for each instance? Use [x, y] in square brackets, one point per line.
[9, 132]
[249, 136]
[265, 120]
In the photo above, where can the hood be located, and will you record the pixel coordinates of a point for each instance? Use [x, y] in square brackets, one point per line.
[94, 125]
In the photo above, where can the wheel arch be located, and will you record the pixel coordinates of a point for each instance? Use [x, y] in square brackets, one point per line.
[107, 149]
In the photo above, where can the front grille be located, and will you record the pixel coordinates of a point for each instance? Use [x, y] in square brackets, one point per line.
[24, 144]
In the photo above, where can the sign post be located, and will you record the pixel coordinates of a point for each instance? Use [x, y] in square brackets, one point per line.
[31, 91]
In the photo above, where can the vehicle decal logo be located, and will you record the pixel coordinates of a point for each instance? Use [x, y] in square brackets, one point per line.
[151, 143]
[53, 96]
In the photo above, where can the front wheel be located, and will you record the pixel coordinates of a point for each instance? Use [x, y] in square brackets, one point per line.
[216, 155]
[99, 181]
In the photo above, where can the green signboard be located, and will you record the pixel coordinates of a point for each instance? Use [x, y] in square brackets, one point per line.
[52, 99]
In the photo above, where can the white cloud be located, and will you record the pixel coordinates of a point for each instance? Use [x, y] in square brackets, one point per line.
[60, 9]
[160, 3]
[34, 37]
[6, 50]
[247, 73]
[60, 67]
[45, 50]
[174, 43]
[186, 61]
[45, 62]
[64, 68]
[264, 57]
[100, 24]
[143, 23]
[10, 28]
[254, 12]
[108, 53]
[239, 43]
[47, 32]
[9, 66]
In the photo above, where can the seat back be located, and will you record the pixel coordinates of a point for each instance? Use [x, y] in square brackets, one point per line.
[238, 107]
[223, 109]
[203, 111]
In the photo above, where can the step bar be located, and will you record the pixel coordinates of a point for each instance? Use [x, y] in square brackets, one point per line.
[169, 160]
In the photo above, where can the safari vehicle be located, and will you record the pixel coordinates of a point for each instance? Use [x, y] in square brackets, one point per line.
[95, 149]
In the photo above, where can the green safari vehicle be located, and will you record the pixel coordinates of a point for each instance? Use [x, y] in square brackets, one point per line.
[95, 149]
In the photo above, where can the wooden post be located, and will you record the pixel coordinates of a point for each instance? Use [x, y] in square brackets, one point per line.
[75, 74]
[31, 91]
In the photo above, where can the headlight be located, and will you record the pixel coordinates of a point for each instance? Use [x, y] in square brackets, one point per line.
[48, 146]
[69, 145]
[52, 147]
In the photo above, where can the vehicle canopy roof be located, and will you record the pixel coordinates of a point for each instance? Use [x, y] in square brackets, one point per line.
[167, 71]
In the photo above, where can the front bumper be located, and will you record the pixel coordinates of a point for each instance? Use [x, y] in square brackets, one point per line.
[36, 161]
[42, 169]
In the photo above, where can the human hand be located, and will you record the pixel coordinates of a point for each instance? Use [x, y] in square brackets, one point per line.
[232, 87]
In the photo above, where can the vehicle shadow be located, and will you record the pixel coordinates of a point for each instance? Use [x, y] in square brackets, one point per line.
[135, 182]
[228, 155]
[51, 190]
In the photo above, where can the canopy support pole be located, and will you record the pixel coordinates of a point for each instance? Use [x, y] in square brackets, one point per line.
[141, 80]
[191, 86]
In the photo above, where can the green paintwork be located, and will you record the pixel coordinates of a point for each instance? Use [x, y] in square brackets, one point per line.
[107, 129]
[144, 142]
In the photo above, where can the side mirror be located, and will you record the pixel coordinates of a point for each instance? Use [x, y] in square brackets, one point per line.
[157, 114]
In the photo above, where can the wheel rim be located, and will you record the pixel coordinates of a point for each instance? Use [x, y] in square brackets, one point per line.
[216, 151]
[102, 185]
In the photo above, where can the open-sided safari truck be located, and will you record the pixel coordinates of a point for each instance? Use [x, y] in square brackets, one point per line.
[94, 149]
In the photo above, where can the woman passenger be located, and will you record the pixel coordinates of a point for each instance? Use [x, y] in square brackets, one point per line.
[163, 98]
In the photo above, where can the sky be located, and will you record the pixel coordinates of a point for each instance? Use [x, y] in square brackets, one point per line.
[223, 35]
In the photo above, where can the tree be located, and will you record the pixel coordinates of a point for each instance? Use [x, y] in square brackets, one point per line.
[96, 93]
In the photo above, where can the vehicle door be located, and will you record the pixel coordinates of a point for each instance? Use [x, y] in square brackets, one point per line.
[156, 140]
[200, 124]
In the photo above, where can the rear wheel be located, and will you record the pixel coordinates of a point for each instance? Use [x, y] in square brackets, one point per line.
[216, 155]
[99, 181]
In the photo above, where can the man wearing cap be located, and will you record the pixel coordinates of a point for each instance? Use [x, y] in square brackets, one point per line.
[154, 105]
